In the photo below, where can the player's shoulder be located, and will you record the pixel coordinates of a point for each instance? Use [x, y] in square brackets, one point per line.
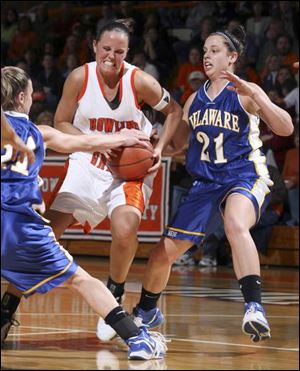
[77, 76]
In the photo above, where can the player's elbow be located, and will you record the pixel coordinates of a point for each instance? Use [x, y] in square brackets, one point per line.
[287, 128]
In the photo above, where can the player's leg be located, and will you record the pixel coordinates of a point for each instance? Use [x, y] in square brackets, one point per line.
[186, 229]
[59, 221]
[9, 304]
[156, 277]
[239, 217]
[125, 221]
[141, 344]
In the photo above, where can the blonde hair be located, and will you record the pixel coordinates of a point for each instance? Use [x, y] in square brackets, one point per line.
[14, 80]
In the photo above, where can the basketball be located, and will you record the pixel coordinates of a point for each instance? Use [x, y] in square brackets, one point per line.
[131, 163]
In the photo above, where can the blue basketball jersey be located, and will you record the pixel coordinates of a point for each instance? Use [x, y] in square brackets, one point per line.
[31, 258]
[224, 143]
[19, 181]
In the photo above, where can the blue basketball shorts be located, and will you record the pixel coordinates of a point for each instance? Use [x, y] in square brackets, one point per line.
[31, 258]
[205, 199]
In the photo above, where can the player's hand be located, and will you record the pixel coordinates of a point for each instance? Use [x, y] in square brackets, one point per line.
[241, 87]
[154, 138]
[157, 161]
[133, 137]
[296, 65]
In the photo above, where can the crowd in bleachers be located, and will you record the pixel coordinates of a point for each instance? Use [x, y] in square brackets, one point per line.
[166, 41]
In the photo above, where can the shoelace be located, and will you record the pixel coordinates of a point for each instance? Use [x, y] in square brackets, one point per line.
[161, 340]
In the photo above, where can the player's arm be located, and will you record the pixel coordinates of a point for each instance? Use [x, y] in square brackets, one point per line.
[68, 143]
[256, 101]
[149, 91]
[181, 137]
[9, 136]
[68, 103]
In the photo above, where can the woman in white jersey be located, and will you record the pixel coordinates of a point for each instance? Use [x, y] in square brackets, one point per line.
[105, 96]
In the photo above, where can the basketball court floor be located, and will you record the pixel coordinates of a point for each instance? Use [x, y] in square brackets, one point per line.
[203, 309]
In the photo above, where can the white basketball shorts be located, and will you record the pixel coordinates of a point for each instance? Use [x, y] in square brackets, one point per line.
[91, 194]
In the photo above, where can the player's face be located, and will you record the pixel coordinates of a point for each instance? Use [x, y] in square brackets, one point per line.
[111, 50]
[216, 56]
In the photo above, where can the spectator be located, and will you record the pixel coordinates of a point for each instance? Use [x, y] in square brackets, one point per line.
[279, 145]
[245, 71]
[288, 12]
[9, 27]
[269, 42]
[23, 40]
[72, 62]
[269, 73]
[198, 12]
[285, 81]
[52, 81]
[66, 19]
[257, 24]
[284, 45]
[139, 60]
[43, 25]
[195, 80]
[194, 64]
[107, 16]
[159, 52]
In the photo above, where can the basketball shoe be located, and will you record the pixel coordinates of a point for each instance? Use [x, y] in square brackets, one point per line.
[255, 323]
[147, 345]
[151, 318]
[104, 331]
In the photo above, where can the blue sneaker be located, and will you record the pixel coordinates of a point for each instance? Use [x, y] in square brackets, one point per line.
[151, 318]
[255, 323]
[146, 345]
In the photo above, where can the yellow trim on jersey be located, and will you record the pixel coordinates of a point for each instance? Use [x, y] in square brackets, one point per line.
[69, 257]
[184, 231]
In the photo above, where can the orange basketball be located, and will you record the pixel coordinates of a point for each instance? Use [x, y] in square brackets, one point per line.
[132, 163]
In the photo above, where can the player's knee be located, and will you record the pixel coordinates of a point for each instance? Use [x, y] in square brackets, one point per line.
[124, 234]
[234, 227]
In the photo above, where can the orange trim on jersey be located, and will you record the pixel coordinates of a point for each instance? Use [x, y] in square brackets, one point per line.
[86, 77]
[133, 88]
[58, 185]
[134, 195]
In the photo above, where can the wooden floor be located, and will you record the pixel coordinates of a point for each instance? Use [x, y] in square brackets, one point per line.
[203, 309]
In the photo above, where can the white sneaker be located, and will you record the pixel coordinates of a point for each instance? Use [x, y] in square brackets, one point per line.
[105, 332]
[207, 261]
[255, 323]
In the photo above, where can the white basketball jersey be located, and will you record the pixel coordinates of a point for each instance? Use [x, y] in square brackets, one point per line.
[94, 113]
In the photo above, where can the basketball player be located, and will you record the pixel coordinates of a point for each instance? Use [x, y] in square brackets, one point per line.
[230, 176]
[103, 97]
[31, 258]
[9, 136]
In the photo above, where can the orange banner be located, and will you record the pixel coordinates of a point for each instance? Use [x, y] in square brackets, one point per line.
[153, 221]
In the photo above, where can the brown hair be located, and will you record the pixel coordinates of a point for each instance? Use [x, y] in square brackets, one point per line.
[14, 80]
